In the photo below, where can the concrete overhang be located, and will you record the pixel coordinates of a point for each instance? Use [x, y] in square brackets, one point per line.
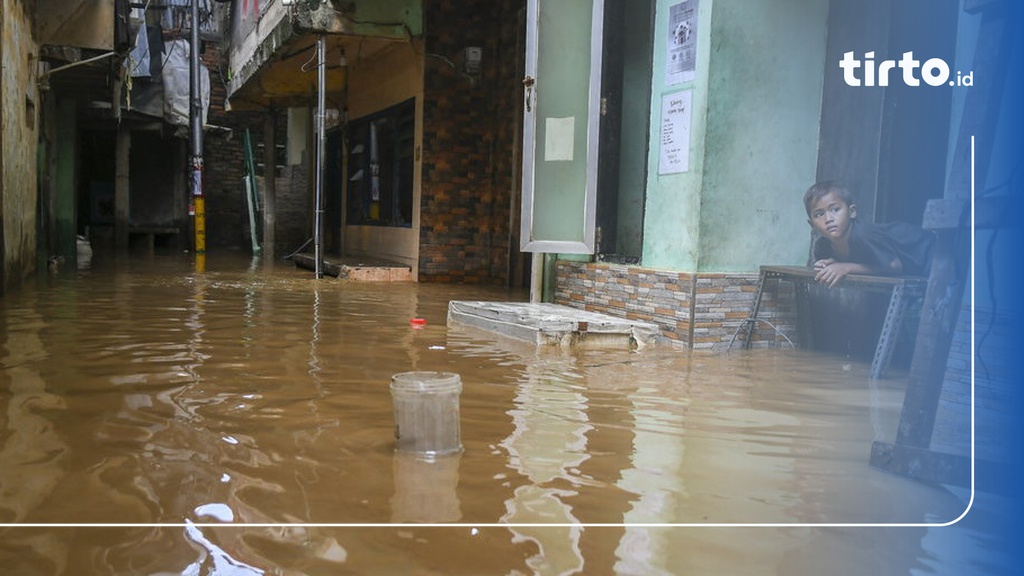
[272, 57]
[79, 23]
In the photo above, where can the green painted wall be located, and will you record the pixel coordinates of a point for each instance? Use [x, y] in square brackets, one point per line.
[672, 214]
[766, 77]
[753, 142]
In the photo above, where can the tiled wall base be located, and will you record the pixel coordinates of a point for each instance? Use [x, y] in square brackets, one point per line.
[698, 310]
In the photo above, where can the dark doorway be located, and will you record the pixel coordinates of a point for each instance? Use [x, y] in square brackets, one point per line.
[884, 141]
[334, 190]
[625, 116]
[96, 186]
[154, 202]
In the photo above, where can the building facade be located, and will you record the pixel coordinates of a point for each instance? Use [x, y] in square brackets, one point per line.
[454, 146]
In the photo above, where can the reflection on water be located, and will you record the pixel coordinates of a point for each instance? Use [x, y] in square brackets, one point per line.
[158, 392]
[426, 488]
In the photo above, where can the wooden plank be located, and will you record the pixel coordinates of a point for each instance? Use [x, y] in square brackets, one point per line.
[989, 212]
[938, 322]
[946, 468]
[863, 281]
[922, 464]
[307, 262]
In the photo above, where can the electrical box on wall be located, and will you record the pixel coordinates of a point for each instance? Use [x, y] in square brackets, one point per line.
[471, 57]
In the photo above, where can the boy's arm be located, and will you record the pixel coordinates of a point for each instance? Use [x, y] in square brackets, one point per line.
[830, 272]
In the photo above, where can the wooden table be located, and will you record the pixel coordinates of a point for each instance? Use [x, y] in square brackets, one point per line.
[149, 234]
[901, 290]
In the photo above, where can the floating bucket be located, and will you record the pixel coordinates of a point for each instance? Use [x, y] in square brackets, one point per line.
[427, 412]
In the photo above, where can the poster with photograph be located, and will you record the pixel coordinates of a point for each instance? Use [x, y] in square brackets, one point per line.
[681, 48]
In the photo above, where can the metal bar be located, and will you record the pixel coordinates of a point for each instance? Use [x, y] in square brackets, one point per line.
[196, 123]
[51, 71]
[804, 320]
[890, 332]
[250, 193]
[318, 255]
[751, 321]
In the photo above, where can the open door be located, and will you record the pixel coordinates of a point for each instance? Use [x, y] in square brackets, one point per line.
[560, 125]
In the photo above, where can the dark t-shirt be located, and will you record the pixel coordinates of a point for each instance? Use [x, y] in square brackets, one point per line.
[877, 245]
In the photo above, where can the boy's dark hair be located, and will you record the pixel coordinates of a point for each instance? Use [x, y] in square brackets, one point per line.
[823, 187]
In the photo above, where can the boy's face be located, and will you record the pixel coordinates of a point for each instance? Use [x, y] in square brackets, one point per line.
[831, 216]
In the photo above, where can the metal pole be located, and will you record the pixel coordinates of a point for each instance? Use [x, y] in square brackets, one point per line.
[319, 186]
[196, 123]
[537, 278]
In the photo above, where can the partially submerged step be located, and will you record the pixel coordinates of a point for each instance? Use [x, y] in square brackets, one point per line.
[552, 324]
[361, 270]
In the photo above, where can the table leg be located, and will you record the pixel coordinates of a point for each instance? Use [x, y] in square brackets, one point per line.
[751, 321]
[804, 320]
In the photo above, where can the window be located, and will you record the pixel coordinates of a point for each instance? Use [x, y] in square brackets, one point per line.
[380, 167]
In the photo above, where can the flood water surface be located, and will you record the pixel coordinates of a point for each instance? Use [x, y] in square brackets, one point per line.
[237, 419]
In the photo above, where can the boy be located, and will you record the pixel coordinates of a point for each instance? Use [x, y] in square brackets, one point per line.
[849, 246]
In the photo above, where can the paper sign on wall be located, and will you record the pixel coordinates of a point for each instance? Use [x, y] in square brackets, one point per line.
[681, 48]
[675, 132]
[558, 139]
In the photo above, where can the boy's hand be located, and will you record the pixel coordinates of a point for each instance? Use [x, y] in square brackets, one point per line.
[830, 272]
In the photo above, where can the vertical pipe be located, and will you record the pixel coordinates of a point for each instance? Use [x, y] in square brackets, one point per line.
[196, 124]
[319, 187]
[269, 183]
[537, 277]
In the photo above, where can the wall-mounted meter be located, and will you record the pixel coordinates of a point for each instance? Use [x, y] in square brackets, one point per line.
[471, 57]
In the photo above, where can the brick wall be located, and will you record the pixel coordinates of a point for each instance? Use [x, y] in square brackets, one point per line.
[777, 316]
[664, 298]
[294, 215]
[701, 311]
[723, 301]
[468, 140]
[227, 219]
[227, 216]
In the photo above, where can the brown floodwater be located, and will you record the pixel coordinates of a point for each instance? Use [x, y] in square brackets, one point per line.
[159, 419]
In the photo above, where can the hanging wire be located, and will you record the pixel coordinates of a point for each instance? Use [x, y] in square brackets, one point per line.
[773, 327]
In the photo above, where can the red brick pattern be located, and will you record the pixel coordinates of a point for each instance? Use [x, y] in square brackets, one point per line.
[227, 217]
[467, 177]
